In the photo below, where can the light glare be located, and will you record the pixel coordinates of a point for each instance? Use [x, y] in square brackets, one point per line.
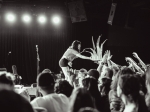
[26, 18]
[10, 17]
[42, 19]
[56, 20]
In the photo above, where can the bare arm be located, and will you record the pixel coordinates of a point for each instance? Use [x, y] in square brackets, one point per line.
[82, 56]
[135, 65]
[140, 61]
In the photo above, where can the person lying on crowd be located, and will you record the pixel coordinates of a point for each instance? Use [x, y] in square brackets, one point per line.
[70, 54]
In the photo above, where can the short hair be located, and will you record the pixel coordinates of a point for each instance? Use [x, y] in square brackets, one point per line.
[6, 79]
[94, 73]
[46, 71]
[75, 44]
[63, 86]
[45, 80]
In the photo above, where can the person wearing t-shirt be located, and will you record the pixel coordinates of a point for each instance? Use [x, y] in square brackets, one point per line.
[70, 54]
[50, 101]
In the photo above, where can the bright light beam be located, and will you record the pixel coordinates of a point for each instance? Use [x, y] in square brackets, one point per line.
[56, 20]
[10, 17]
[42, 19]
[26, 18]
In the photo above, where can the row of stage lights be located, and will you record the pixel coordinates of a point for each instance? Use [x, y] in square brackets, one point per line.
[27, 18]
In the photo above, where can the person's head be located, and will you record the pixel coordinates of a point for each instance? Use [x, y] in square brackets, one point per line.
[80, 98]
[128, 86]
[7, 81]
[88, 109]
[91, 84]
[81, 75]
[93, 73]
[46, 71]
[45, 82]
[10, 101]
[106, 73]
[76, 45]
[63, 86]
[123, 71]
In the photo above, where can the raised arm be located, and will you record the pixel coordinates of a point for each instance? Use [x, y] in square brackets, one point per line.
[83, 57]
[135, 65]
[140, 61]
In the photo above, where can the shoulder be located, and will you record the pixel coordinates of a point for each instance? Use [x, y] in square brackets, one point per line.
[60, 96]
[36, 101]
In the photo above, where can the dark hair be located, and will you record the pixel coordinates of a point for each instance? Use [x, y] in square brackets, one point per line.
[75, 44]
[88, 109]
[6, 79]
[10, 101]
[80, 98]
[105, 87]
[94, 73]
[123, 71]
[91, 84]
[63, 86]
[45, 81]
[129, 85]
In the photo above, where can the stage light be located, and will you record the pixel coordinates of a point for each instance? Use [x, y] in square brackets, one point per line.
[56, 19]
[42, 19]
[26, 18]
[10, 17]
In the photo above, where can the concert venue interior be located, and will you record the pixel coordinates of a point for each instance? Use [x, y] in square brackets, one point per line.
[34, 34]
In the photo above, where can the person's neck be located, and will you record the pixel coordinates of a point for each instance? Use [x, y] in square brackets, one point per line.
[44, 93]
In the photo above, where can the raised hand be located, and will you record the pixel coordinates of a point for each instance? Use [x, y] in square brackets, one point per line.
[105, 57]
[135, 55]
[70, 64]
[109, 55]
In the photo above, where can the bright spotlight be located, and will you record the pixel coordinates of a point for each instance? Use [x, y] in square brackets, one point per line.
[56, 20]
[42, 19]
[10, 17]
[26, 18]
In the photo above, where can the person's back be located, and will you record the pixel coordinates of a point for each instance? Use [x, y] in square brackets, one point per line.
[52, 102]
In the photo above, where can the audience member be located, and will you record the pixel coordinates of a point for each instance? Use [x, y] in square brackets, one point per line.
[80, 98]
[63, 87]
[88, 109]
[128, 90]
[13, 102]
[91, 85]
[51, 101]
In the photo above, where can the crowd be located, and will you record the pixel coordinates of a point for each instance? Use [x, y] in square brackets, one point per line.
[108, 88]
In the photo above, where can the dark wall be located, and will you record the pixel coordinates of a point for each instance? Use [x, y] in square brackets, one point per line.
[131, 33]
[52, 41]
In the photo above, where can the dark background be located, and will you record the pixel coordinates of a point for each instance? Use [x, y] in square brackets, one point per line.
[130, 32]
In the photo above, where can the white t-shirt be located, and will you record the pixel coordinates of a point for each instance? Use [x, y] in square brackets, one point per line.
[70, 54]
[52, 102]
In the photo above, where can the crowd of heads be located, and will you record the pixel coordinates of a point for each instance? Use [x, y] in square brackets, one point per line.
[108, 88]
